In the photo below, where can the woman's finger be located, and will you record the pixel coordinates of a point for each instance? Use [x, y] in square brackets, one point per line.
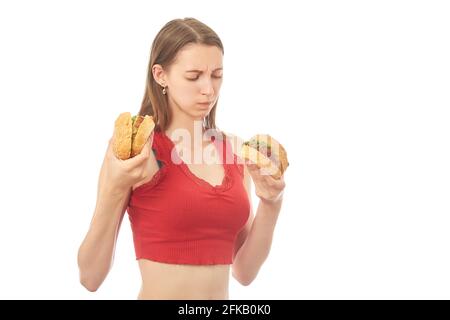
[146, 149]
[140, 158]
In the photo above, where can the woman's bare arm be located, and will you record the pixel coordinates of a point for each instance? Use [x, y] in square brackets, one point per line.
[116, 179]
[96, 253]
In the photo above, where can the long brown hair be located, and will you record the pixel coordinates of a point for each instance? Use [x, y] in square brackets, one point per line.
[173, 36]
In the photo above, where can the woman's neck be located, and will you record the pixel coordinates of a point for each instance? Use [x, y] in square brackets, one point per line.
[191, 133]
[187, 127]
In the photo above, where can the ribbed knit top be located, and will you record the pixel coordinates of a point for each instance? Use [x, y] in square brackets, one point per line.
[179, 218]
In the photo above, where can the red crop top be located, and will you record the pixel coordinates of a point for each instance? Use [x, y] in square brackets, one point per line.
[180, 218]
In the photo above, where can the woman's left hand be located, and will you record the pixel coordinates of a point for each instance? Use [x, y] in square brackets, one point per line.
[268, 189]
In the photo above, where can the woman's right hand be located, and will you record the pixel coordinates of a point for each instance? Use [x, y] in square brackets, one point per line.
[118, 176]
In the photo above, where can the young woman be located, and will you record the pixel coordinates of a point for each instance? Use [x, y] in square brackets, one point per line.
[192, 221]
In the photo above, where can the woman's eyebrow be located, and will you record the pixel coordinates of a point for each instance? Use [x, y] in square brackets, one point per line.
[200, 71]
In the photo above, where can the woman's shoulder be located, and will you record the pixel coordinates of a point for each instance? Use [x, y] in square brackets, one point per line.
[234, 143]
[155, 163]
[233, 140]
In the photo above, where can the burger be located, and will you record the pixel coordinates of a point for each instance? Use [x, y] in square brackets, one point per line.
[131, 134]
[267, 153]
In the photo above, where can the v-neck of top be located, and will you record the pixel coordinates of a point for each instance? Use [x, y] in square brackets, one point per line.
[226, 181]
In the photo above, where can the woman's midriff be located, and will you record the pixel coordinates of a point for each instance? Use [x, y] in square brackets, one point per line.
[163, 281]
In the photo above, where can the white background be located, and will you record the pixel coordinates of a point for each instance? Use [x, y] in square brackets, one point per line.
[357, 91]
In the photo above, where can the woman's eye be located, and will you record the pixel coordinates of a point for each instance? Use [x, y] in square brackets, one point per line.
[193, 79]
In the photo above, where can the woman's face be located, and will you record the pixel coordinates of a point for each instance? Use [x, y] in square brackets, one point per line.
[194, 79]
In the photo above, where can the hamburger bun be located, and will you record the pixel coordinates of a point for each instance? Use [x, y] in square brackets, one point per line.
[267, 153]
[131, 134]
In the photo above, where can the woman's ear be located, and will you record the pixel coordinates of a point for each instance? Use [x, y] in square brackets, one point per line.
[158, 74]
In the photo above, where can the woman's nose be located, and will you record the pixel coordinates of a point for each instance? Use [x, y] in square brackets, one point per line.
[207, 88]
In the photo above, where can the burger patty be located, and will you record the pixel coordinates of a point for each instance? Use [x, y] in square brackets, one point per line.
[136, 122]
[261, 147]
